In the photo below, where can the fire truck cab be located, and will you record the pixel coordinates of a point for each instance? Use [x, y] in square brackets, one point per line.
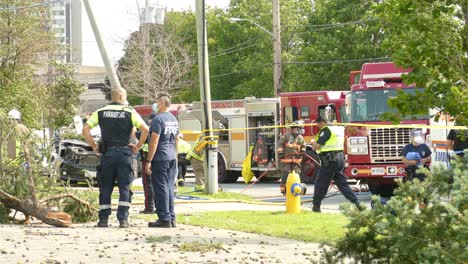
[373, 152]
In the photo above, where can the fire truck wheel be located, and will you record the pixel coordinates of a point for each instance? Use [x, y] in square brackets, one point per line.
[309, 172]
[232, 176]
[222, 175]
[384, 190]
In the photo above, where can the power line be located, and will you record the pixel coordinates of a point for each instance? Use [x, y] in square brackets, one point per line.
[240, 44]
[319, 27]
[236, 72]
[334, 61]
[228, 52]
[29, 6]
[342, 23]
[288, 62]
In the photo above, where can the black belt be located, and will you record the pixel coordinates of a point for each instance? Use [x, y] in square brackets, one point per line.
[117, 146]
[334, 152]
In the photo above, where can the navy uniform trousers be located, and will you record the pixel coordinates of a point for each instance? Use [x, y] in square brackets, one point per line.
[163, 175]
[116, 165]
[328, 172]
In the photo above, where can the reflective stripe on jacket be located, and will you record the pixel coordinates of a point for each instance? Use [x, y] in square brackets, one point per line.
[195, 151]
[183, 147]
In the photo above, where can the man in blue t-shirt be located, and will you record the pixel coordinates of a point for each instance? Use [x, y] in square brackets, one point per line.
[416, 155]
[162, 161]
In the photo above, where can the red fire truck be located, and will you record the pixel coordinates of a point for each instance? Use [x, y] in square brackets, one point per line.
[373, 153]
[307, 106]
[146, 110]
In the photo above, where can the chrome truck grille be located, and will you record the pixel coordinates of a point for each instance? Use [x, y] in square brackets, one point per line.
[386, 144]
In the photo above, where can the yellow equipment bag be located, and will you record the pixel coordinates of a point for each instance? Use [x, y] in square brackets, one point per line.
[247, 173]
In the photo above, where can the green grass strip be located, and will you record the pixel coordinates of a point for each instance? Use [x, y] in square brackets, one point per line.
[307, 226]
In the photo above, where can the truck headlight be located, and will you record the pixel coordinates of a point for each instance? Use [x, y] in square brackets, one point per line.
[357, 146]
[357, 150]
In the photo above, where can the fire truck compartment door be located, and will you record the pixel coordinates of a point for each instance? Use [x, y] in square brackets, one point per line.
[238, 141]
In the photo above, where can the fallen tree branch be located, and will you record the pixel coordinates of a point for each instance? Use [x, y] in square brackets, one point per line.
[72, 196]
[59, 219]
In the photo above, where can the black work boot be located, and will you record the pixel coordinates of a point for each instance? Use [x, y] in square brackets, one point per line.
[283, 189]
[173, 223]
[359, 206]
[316, 209]
[160, 223]
[123, 223]
[145, 211]
[103, 223]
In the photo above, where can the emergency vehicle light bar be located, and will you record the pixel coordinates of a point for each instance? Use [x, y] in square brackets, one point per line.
[375, 84]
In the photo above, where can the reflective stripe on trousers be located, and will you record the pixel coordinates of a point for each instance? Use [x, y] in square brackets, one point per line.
[116, 165]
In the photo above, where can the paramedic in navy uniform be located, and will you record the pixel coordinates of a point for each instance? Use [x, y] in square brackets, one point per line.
[116, 122]
[162, 161]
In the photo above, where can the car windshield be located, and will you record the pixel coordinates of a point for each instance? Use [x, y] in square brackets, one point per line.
[369, 105]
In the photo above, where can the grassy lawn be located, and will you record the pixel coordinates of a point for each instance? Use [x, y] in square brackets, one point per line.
[188, 191]
[307, 226]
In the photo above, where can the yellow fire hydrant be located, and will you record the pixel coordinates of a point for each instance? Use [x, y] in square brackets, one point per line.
[294, 190]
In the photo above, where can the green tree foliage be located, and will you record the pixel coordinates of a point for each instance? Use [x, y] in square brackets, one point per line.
[241, 54]
[27, 47]
[425, 222]
[24, 43]
[431, 38]
[338, 38]
[63, 96]
[182, 24]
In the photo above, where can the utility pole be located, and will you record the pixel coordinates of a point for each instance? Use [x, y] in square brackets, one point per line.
[211, 152]
[277, 78]
[146, 46]
[110, 69]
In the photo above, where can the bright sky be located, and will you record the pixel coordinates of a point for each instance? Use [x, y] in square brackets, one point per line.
[117, 19]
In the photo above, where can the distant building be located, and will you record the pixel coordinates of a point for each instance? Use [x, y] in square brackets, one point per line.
[66, 25]
[94, 78]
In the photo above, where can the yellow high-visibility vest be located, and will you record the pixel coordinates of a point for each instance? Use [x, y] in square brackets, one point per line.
[334, 143]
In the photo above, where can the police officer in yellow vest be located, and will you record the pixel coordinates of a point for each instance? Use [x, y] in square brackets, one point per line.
[330, 150]
[116, 122]
[195, 156]
[290, 150]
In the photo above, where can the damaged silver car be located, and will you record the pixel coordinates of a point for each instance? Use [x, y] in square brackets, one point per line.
[74, 161]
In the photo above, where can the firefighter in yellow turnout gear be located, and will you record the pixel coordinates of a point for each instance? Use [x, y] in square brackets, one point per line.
[195, 156]
[290, 150]
[17, 137]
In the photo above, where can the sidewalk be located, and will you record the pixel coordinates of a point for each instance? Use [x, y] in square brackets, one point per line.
[86, 243]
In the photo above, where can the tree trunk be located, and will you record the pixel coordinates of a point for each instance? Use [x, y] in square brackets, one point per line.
[59, 219]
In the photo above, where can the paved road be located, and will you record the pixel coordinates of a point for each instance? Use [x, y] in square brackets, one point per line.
[266, 192]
